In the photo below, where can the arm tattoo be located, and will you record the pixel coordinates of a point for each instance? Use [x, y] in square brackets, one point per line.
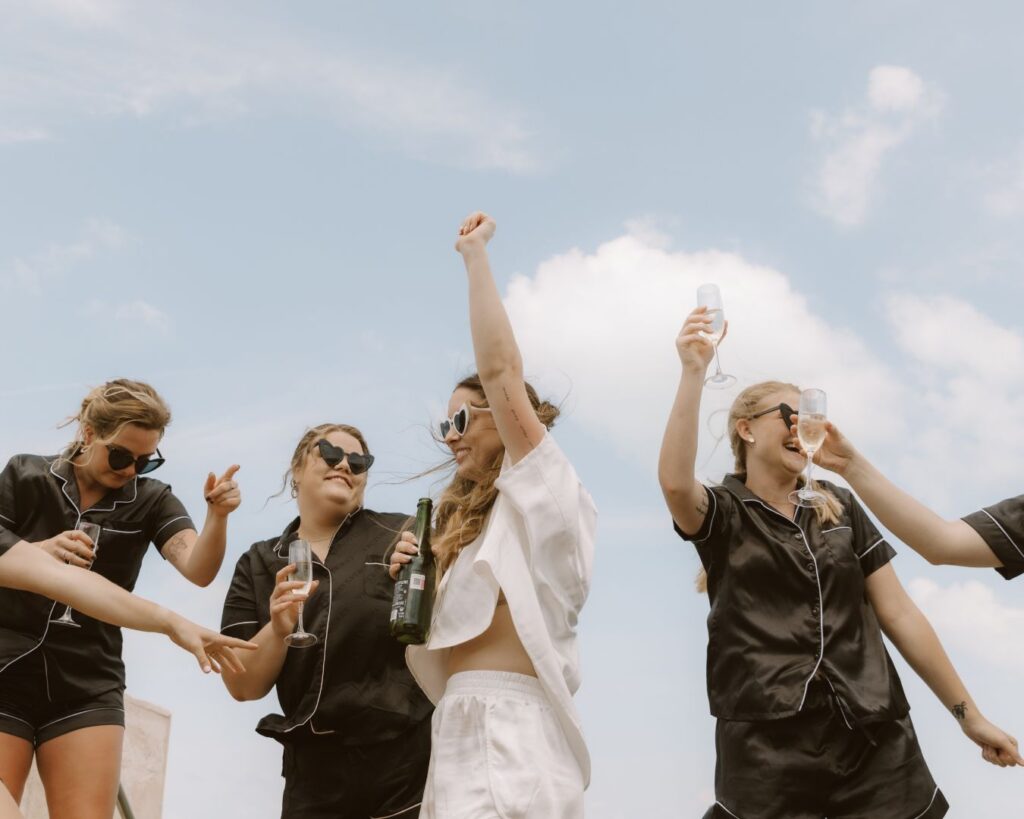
[175, 548]
[515, 415]
[960, 711]
[702, 505]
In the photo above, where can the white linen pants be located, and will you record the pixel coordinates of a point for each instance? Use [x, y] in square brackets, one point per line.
[498, 752]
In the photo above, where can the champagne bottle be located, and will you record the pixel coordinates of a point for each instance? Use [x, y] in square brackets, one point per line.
[413, 603]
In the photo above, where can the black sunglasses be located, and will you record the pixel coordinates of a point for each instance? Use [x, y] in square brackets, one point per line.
[785, 410]
[334, 455]
[120, 458]
[459, 421]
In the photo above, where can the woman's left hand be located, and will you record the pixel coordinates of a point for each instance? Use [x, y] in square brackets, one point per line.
[222, 494]
[405, 550]
[475, 232]
[997, 747]
[210, 648]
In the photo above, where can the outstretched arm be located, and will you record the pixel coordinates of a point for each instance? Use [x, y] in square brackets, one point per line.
[937, 540]
[914, 637]
[27, 568]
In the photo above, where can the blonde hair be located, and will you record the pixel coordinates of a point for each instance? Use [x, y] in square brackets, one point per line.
[463, 506]
[746, 405]
[109, 408]
[305, 446]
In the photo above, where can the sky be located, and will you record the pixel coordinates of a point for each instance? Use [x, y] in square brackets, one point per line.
[253, 207]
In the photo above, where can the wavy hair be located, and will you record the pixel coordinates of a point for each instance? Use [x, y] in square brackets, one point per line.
[462, 508]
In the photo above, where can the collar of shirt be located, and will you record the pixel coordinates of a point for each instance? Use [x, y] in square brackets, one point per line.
[64, 471]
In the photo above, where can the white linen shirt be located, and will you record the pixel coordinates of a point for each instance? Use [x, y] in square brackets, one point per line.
[537, 546]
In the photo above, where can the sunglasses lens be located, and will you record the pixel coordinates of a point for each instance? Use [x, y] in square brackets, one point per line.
[358, 463]
[445, 427]
[461, 421]
[787, 414]
[119, 459]
[146, 465]
[332, 455]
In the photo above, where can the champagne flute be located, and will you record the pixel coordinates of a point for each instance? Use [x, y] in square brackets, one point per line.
[810, 429]
[93, 531]
[708, 295]
[300, 554]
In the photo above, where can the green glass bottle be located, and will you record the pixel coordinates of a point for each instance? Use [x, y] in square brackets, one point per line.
[413, 603]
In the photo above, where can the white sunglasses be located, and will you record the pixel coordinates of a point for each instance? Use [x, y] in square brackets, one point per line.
[460, 420]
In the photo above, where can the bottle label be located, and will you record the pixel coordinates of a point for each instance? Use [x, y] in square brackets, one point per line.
[417, 582]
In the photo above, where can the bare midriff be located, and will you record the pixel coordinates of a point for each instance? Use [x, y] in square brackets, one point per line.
[498, 648]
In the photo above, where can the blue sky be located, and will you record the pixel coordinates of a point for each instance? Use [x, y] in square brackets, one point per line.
[254, 209]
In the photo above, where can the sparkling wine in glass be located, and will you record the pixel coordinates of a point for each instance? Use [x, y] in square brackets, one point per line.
[300, 554]
[709, 296]
[810, 429]
[93, 531]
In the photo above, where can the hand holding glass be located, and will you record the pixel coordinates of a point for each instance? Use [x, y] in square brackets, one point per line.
[709, 296]
[92, 530]
[810, 429]
[300, 554]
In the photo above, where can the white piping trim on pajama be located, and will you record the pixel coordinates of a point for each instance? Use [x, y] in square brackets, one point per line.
[922, 813]
[403, 810]
[709, 523]
[17, 719]
[821, 598]
[723, 807]
[1001, 529]
[122, 531]
[239, 623]
[872, 546]
[172, 520]
[78, 714]
[835, 529]
[9, 520]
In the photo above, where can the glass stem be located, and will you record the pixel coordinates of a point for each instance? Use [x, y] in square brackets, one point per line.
[302, 628]
[718, 366]
[807, 478]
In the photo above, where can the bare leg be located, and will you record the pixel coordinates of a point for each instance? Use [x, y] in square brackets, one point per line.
[15, 763]
[81, 771]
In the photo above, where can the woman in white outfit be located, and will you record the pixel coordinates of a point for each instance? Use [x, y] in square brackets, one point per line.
[514, 538]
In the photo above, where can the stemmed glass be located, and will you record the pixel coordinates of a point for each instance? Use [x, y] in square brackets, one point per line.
[93, 532]
[810, 429]
[708, 295]
[301, 555]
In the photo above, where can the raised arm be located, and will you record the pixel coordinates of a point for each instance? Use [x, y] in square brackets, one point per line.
[937, 540]
[27, 568]
[914, 637]
[684, 494]
[498, 361]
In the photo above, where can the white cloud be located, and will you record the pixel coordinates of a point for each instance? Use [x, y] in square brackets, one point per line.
[14, 136]
[182, 64]
[31, 273]
[138, 314]
[970, 616]
[940, 406]
[856, 141]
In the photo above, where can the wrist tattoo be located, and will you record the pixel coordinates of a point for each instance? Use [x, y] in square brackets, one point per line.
[960, 710]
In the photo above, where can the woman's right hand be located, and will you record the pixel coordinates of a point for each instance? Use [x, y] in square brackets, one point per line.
[694, 347]
[285, 601]
[72, 547]
[405, 550]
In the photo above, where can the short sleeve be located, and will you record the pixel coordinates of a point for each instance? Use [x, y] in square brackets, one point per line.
[9, 513]
[240, 617]
[718, 521]
[872, 549]
[1002, 528]
[558, 513]
[167, 518]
